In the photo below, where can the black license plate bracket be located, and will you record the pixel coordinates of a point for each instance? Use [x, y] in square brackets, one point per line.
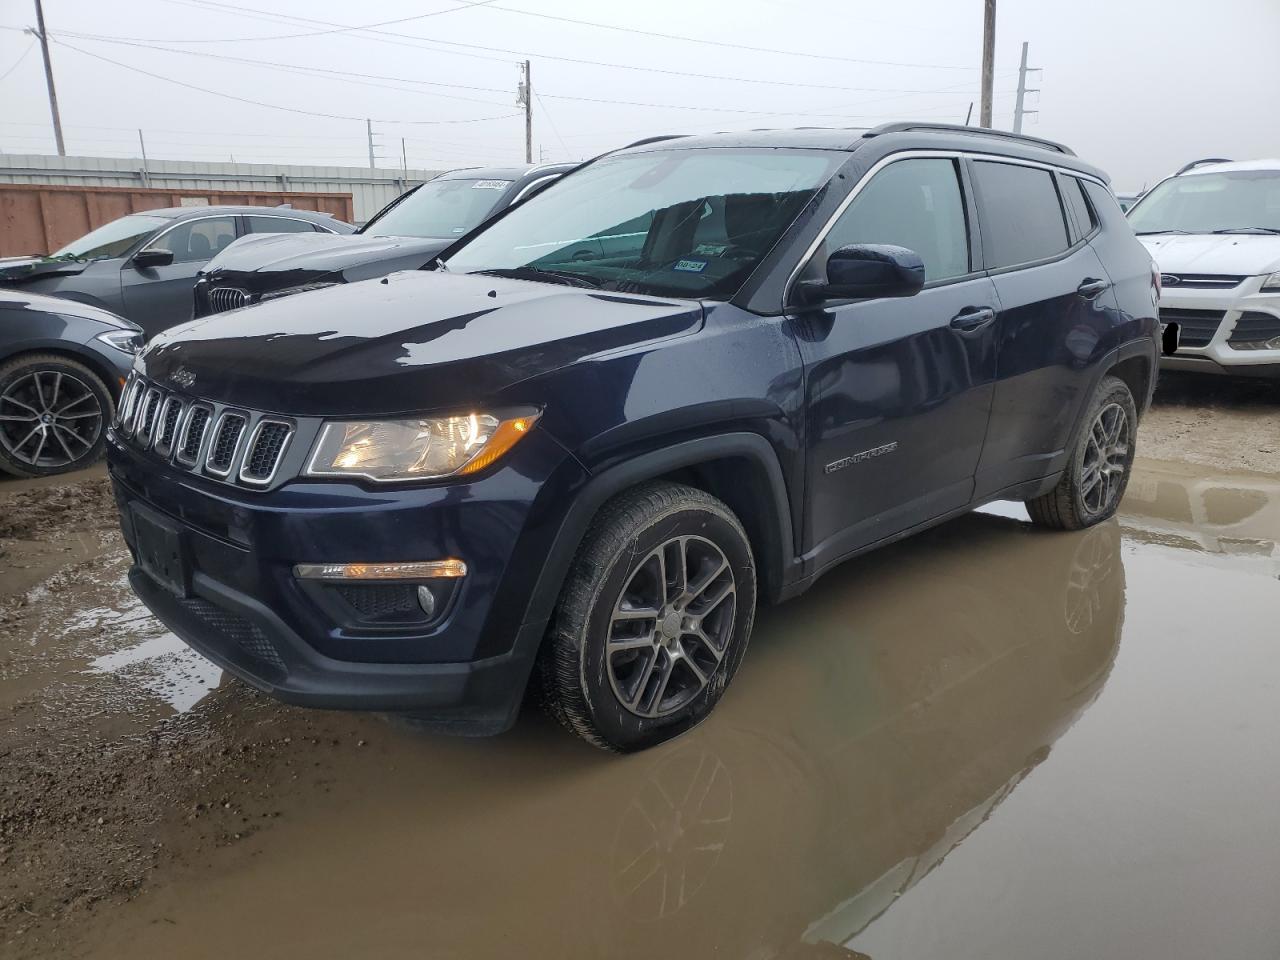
[161, 550]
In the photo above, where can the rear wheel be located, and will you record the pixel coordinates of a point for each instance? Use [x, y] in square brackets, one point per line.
[53, 415]
[653, 619]
[1098, 471]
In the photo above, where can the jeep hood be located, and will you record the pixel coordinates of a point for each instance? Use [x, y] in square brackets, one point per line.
[317, 252]
[17, 270]
[1232, 254]
[411, 342]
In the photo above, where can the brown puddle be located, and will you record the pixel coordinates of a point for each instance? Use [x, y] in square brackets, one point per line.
[986, 742]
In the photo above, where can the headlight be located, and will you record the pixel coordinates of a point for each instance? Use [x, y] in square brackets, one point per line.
[429, 448]
[126, 341]
[301, 288]
[1271, 284]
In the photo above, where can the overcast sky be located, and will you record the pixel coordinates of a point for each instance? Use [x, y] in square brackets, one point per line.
[1138, 87]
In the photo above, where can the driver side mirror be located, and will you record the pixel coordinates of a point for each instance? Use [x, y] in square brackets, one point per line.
[144, 259]
[863, 271]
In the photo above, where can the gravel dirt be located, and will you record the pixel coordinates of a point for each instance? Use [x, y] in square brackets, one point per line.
[126, 762]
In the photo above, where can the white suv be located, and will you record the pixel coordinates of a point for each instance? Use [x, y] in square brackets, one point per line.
[1214, 229]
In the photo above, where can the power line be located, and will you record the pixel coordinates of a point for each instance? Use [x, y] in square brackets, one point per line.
[302, 69]
[259, 103]
[17, 63]
[320, 33]
[724, 43]
[583, 62]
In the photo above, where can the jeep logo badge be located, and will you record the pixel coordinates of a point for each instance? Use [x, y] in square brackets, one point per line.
[183, 377]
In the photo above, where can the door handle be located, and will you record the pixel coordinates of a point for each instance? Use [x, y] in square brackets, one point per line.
[972, 318]
[1090, 288]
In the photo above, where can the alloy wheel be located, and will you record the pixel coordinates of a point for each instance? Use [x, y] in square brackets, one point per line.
[670, 627]
[49, 419]
[1106, 459]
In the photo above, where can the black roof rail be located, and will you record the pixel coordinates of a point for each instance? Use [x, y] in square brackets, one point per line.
[657, 139]
[972, 131]
[1200, 163]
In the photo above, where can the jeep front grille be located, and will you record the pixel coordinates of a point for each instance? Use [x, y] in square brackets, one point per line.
[170, 415]
[222, 299]
[266, 447]
[193, 435]
[218, 441]
[225, 443]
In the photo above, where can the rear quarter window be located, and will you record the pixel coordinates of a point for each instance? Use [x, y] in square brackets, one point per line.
[1081, 213]
[1022, 217]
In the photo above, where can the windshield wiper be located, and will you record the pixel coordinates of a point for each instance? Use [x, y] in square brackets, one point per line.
[547, 276]
[1248, 230]
[1152, 233]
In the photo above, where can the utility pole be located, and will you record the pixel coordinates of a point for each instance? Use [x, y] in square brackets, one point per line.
[404, 160]
[48, 79]
[524, 98]
[146, 174]
[1019, 111]
[368, 126]
[988, 60]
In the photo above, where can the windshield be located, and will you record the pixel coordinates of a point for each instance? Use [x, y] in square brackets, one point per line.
[1208, 202]
[112, 239]
[668, 223]
[440, 208]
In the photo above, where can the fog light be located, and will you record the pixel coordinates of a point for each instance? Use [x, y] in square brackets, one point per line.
[427, 600]
[424, 570]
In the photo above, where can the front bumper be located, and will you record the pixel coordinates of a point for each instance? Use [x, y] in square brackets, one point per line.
[1222, 324]
[241, 606]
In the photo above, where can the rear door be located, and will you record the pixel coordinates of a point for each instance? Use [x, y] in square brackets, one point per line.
[898, 390]
[1054, 295]
[157, 298]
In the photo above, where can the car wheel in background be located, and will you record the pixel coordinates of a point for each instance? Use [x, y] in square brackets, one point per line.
[1097, 472]
[53, 415]
[653, 619]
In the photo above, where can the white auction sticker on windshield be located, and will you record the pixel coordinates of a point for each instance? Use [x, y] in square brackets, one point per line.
[491, 185]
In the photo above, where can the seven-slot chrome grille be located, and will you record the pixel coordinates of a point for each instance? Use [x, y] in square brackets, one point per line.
[226, 443]
[222, 299]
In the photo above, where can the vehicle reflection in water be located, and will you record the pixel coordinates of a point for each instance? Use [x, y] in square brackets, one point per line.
[877, 722]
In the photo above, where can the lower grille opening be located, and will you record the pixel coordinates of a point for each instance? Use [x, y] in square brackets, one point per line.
[1195, 327]
[245, 634]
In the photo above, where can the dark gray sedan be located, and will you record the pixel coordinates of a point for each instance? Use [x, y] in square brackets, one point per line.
[144, 266]
[62, 365]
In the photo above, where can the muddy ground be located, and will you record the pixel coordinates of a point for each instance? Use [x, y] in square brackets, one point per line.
[131, 773]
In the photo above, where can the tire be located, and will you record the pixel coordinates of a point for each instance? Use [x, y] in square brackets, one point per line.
[1087, 494]
[603, 663]
[35, 439]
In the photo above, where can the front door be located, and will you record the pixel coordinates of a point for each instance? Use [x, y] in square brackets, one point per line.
[157, 298]
[898, 390]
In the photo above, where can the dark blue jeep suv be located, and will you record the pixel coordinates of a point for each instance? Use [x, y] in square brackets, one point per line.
[694, 374]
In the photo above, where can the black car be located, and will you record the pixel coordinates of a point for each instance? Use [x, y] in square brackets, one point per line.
[143, 266]
[62, 366]
[699, 372]
[408, 232]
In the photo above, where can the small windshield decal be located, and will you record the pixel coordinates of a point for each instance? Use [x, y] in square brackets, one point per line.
[691, 266]
[491, 185]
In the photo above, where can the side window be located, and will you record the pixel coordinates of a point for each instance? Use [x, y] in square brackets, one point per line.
[915, 204]
[1022, 217]
[197, 240]
[278, 225]
[1081, 212]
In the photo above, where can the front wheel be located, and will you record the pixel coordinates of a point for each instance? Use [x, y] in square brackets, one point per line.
[653, 619]
[53, 415]
[1097, 472]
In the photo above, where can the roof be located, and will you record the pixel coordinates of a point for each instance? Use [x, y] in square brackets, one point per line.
[175, 213]
[889, 137]
[1235, 166]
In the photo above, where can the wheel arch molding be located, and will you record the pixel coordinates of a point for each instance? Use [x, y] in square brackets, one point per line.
[758, 496]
